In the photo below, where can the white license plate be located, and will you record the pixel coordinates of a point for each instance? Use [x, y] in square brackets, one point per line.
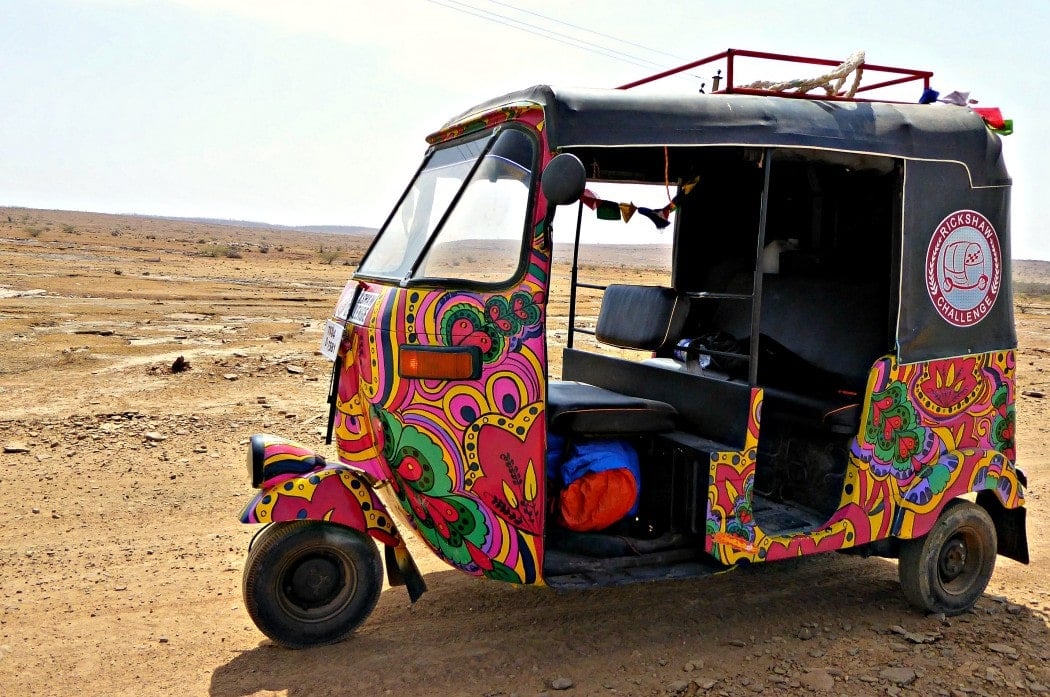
[333, 335]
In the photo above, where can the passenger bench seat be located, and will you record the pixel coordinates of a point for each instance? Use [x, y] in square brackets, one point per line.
[647, 318]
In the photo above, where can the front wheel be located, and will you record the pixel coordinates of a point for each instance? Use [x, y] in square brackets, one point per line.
[948, 569]
[308, 583]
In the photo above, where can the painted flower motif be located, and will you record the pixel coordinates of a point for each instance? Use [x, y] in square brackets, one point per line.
[464, 325]
[1004, 424]
[508, 482]
[511, 316]
[500, 325]
[931, 481]
[895, 434]
[742, 522]
[451, 523]
[947, 387]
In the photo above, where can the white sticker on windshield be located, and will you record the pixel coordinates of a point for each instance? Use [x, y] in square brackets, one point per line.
[342, 308]
[363, 306]
[333, 335]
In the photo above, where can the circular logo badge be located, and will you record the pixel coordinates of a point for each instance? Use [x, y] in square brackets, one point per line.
[963, 268]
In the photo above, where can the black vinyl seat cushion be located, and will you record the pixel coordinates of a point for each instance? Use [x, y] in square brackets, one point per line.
[580, 408]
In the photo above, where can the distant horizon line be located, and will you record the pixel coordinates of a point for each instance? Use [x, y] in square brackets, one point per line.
[238, 222]
[352, 229]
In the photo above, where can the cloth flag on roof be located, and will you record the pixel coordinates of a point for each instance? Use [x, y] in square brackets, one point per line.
[957, 98]
[994, 118]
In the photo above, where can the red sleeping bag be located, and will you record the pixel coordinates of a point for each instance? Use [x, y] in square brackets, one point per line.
[600, 483]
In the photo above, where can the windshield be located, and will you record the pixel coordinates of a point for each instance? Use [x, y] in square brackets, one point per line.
[464, 217]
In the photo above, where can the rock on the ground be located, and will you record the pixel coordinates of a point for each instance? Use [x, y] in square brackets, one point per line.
[1004, 649]
[817, 681]
[899, 676]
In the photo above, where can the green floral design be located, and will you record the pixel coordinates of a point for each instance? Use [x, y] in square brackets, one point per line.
[511, 316]
[1003, 428]
[451, 523]
[493, 329]
[464, 325]
[893, 430]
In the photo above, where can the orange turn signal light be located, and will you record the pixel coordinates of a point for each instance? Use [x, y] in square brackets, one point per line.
[440, 362]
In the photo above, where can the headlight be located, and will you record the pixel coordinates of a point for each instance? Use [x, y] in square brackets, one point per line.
[256, 456]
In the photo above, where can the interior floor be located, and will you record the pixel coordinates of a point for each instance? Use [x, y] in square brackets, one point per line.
[583, 560]
[630, 552]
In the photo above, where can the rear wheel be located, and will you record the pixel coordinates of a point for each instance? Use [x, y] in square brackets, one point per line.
[948, 569]
[308, 583]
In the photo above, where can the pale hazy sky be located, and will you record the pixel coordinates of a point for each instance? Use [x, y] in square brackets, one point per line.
[315, 111]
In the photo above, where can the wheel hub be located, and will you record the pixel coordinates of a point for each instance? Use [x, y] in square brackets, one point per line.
[314, 581]
[953, 559]
[317, 585]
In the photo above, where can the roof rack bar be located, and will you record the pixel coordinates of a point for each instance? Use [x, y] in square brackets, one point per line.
[729, 56]
[785, 57]
[898, 81]
[673, 71]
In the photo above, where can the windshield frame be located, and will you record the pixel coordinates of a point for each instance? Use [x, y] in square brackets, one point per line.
[409, 278]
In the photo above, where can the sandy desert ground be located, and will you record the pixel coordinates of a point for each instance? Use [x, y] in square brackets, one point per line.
[121, 551]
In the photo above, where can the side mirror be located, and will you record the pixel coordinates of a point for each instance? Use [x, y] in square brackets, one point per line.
[564, 179]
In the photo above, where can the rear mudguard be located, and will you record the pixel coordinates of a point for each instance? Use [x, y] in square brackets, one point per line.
[989, 474]
[1010, 529]
[330, 493]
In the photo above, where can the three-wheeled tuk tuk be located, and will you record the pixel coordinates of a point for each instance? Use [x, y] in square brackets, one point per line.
[829, 367]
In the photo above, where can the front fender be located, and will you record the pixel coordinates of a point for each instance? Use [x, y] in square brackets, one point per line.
[335, 494]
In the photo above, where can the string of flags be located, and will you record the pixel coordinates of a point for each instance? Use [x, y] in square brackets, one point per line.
[993, 117]
[614, 210]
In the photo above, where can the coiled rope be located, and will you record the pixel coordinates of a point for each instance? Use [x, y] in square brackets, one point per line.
[854, 64]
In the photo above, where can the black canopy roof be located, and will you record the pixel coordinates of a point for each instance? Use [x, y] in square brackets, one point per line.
[583, 117]
[953, 163]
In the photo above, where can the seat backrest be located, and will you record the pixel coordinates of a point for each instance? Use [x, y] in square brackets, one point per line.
[648, 318]
[838, 325]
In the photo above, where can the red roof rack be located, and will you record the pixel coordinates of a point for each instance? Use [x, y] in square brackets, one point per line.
[835, 87]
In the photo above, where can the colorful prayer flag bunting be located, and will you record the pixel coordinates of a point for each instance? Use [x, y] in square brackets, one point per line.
[589, 199]
[659, 218]
[612, 210]
[609, 210]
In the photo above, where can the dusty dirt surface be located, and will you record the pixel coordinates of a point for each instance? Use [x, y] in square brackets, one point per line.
[121, 550]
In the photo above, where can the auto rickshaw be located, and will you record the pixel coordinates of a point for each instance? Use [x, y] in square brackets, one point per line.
[855, 395]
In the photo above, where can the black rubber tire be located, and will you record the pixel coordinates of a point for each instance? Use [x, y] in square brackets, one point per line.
[262, 534]
[948, 569]
[309, 583]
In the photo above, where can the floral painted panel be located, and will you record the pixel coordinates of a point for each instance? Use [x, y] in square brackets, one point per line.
[930, 432]
[464, 458]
